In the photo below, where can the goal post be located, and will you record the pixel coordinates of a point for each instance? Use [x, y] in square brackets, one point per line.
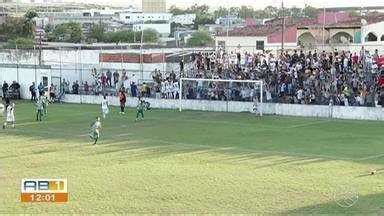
[253, 87]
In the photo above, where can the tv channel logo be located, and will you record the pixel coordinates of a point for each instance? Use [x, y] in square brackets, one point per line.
[44, 190]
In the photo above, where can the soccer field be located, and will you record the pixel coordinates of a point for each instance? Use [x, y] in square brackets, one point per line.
[194, 162]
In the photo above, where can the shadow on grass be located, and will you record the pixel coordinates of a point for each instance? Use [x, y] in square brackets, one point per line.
[365, 205]
[72, 134]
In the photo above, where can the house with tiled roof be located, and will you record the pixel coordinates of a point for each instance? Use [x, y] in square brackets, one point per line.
[257, 38]
[329, 29]
[346, 31]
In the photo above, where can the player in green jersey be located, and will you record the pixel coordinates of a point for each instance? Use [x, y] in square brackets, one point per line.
[95, 130]
[140, 109]
[39, 109]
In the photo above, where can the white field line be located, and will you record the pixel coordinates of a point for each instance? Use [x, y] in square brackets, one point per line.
[270, 127]
[371, 157]
[255, 151]
[307, 124]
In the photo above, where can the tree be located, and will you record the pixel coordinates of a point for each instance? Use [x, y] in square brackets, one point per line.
[271, 12]
[97, 32]
[220, 12]
[150, 36]
[174, 27]
[16, 27]
[19, 43]
[30, 15]
[203, 19]
[68, 32]
[309, 11]
[246, 12]
[124, 36]
[295, 12]
[175, 10]
[259, 14]
[200, 38]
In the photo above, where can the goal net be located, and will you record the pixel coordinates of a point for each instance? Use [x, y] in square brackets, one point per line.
[221, 95]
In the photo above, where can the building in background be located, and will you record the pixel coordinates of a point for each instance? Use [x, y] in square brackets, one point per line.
[3, 15]
[154, 6]
[367, 31]
[184, 19]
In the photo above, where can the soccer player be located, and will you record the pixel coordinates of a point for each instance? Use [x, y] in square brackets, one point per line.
[104, 107]
[10, 119]
[123, 100]
[95, 130]
[39, 109]
[45, 102]
[140, 109]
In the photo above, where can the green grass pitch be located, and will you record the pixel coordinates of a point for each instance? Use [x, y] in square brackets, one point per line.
[194, 162]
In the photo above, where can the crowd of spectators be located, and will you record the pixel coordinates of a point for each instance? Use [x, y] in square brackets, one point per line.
[312, 77]
[338, 77]
[11, 91]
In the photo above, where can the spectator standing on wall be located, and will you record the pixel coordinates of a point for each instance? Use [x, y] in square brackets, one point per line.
[103, 79]
[32, 89]
[86, 88]
[123, 100]
[109, 78]
[115, 77]
[133, 89]
[5, 88]
[75, 88]
[41, 89]
[52, 92]
[7, 100]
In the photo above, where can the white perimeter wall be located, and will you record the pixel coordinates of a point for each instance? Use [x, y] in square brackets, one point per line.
[25, 77]
[246, 43]
[340, 112]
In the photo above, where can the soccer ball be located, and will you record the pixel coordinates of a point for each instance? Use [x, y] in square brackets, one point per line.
[373, 172]
[2, 110]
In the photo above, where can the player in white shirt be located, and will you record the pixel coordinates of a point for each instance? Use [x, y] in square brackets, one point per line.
[169, 90]
[10, 116]
[175, 90]
[163, 89]
[104, 107]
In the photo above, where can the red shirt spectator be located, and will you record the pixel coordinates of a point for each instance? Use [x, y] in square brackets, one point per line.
[355, 58]
[381, 81]
[103, 80]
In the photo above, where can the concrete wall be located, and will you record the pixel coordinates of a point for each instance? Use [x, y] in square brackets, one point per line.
[77, 65]
[339, 112]
[24, 75]
[246, 43]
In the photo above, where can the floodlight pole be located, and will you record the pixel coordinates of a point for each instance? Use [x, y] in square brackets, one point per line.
[282, 26]
[180, 93]
[323, 27]
[261, 98]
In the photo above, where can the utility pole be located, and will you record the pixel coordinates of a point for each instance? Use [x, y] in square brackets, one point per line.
[228, 25]
[323, 26]
[282, 26]
[40, 47]
[141, 50]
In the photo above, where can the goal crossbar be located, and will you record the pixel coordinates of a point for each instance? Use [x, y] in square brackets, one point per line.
[260, 82]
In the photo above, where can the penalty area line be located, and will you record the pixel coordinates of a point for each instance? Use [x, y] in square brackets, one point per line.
[371, 157]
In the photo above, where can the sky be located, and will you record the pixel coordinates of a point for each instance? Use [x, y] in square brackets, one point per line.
[259, 4]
